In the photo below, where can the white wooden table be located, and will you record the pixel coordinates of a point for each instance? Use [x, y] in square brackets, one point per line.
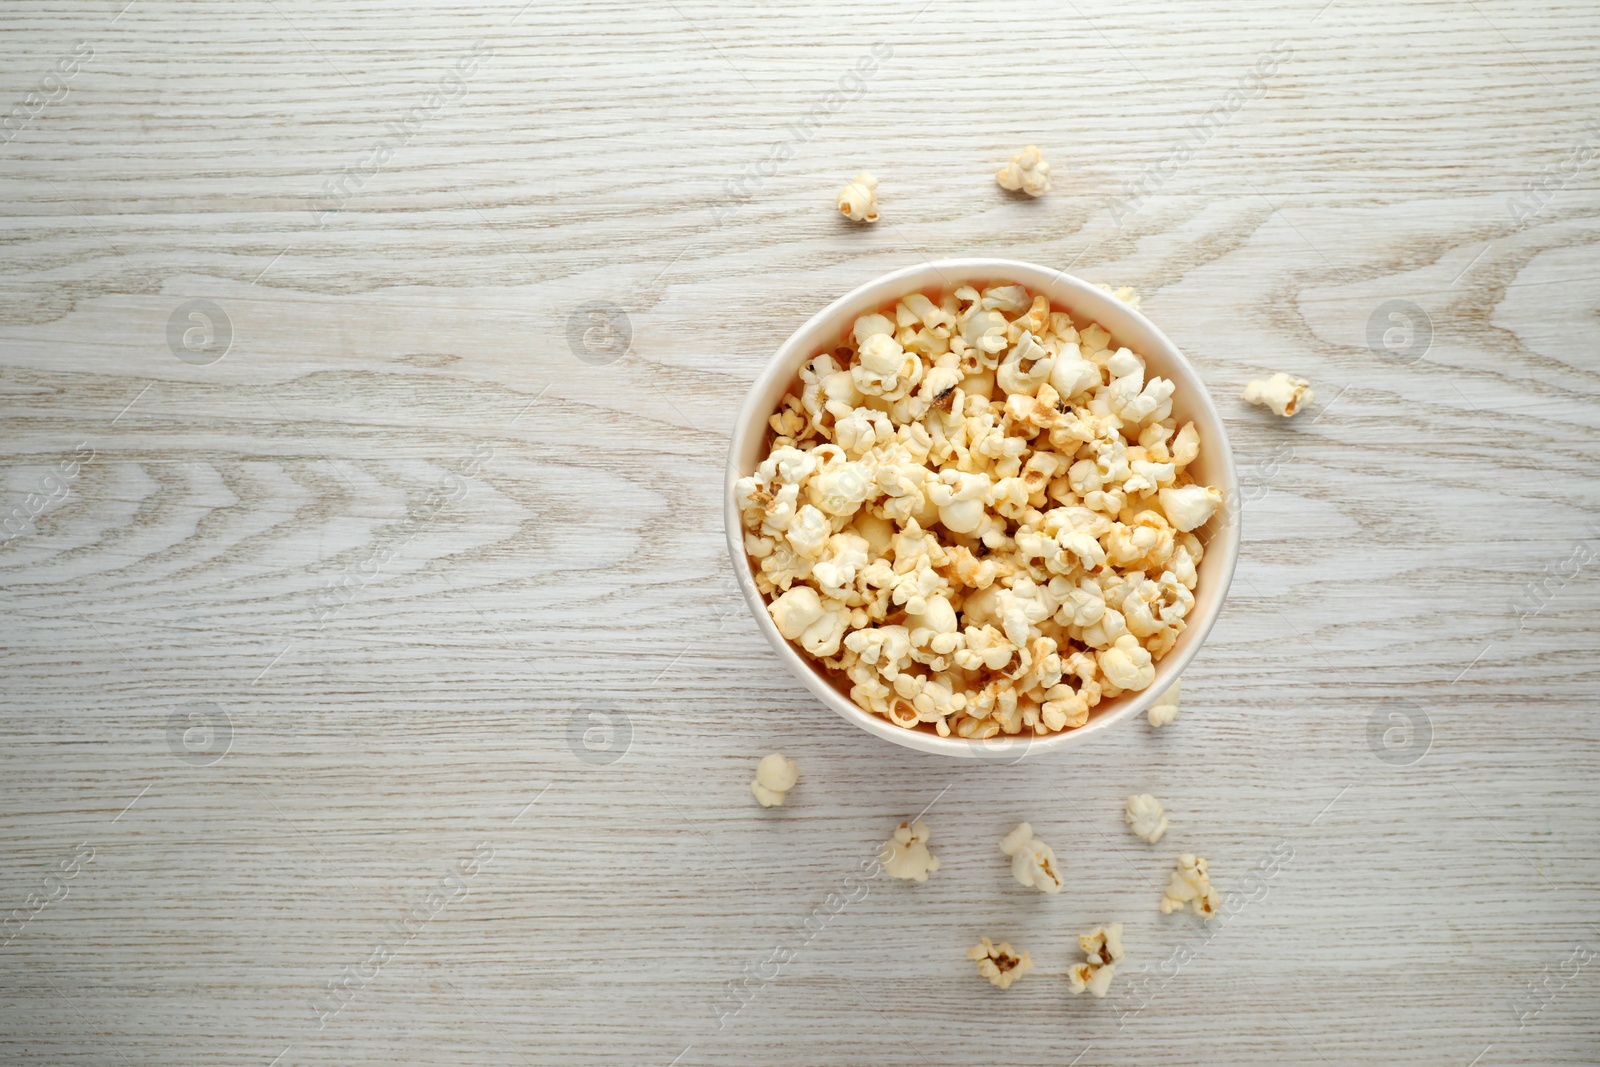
[312, 590]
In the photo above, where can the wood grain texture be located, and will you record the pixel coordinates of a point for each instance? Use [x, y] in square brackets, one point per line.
[525, 538]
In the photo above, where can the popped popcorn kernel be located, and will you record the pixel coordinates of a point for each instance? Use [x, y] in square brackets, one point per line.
[1191, 885]
[1027, 172]
[1189, 507]
[1000, 963]
[1282, 393]
[908, 857]
[1127, 664]
[776, 774]
[1033, 864]
[1103, 948]
[1145, 817]
[858, 201]
[1165, 709]
[1125, 293]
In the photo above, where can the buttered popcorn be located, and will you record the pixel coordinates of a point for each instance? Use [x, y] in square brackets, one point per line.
[978, 515]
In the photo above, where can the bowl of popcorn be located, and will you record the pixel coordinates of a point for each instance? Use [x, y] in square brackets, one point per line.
[980, 506]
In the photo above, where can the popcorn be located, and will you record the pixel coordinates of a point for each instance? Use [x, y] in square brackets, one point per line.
[908, 855]
[999, 963]
[1190, 884]
[1191, 506]
[1103, 947]
[1032, 861]
[1130, 397]
[959, 498]
[858, 201]
[1025, 367]
[795, 611]
[1027, 172]
[1126, 664]
[1145, 817]
[1071, 374]
[1283, 393]
[979, 517]
[1086, 977]
[801, 615]
[844, 558]
[808, 531]
[776, 774]
[1165, 709]
[1125, 293]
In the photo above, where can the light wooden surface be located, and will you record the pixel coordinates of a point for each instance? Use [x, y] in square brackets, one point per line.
[408, 354]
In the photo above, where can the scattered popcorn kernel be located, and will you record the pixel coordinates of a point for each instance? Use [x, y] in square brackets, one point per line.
[858, 201]
[1125, 293]
[1283, 393]
[1086, 977]
[977, 515]
[776, 774]
[1033, 864]
[999, 963]
[1027, 172]
[1145, 817]
[1103, 947]
[1190, 884]
[1165, 709]
[908, 855]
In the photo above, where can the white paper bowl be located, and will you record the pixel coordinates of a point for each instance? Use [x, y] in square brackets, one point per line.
[829, 327]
